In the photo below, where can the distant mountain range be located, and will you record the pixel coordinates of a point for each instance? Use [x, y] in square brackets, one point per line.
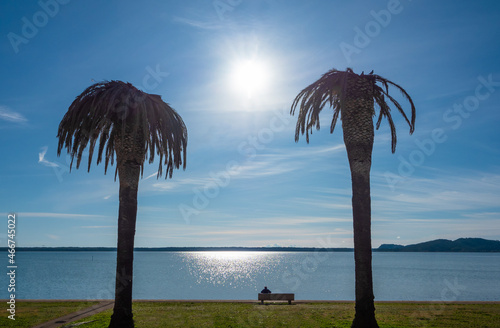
[445, 245]
[439, 245]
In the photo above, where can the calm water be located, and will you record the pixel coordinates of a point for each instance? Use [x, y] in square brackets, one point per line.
[241, 275]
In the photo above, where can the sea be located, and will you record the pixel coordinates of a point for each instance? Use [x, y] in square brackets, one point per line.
[233, 275]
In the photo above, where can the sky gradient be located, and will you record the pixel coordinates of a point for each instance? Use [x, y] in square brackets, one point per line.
[247, 182]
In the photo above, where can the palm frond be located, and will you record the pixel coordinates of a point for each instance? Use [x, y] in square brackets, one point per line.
[107, 110]
[385, 111]
[331, 89]
[405, 94]
[312, 99]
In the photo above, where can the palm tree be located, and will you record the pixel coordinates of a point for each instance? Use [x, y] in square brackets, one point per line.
[353, 96]
[134, 125]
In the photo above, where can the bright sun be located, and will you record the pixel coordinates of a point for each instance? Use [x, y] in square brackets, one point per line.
[250, 77]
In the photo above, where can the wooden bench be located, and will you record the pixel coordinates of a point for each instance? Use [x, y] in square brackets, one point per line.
[276, 297]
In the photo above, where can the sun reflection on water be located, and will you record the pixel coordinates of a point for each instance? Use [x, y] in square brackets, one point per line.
[230, 268]
[228, 255]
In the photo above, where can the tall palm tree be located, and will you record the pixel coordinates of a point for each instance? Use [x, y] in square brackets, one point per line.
[134, 125]
[353, 96]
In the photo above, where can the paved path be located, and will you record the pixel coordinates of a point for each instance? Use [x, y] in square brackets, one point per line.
[58, 322]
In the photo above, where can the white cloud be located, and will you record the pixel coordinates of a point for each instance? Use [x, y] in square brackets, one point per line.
[8, 115]
[59, 215]
[250, 235]
[169, 185]
[441, 193]
[249, 170]
[329, 202]
[483, 215]
[268, 168]
[299, 220]
[43, 161]
[151, 175]
[198, 24]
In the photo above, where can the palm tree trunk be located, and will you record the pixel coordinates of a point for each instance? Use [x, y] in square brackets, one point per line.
[365, 308]
[357, 126]
[122, 316]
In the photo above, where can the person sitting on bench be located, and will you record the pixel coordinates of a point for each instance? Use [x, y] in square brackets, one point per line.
[265, 291]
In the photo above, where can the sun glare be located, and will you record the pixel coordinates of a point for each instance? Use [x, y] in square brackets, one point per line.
[250, 77]
[229, 255]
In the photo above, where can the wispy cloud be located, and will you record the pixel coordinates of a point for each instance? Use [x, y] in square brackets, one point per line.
[283, 221]
[265, 168]
[265, 165]
[198, 24]
[250, 170]
[274, 233]
[151, 175]
[179, 184]
[484, 215]
[8, 115]
[443, 192]
[250, 235]
[328, 202]
[59, 215]
[43, 161]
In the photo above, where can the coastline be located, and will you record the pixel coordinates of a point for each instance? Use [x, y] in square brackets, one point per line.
[248, 301]
[461, 245]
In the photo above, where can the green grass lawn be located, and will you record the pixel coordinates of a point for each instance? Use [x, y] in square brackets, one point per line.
[29, 314]
[186, 314]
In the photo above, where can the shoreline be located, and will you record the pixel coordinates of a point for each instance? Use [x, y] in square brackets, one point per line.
[248, 301]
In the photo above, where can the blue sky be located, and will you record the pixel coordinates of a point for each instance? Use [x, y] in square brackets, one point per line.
[247, 182]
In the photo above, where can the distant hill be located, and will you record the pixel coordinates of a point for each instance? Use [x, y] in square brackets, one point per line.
[389, 247]
[445, 245]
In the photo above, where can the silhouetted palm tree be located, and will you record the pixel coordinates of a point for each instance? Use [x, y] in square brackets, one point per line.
[134, 125]
[353, 96]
